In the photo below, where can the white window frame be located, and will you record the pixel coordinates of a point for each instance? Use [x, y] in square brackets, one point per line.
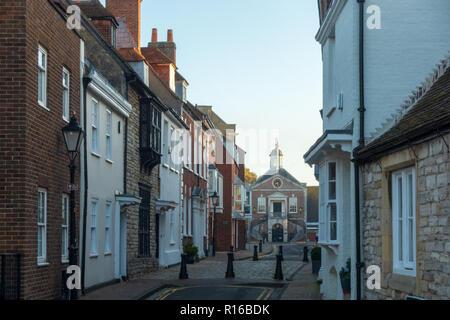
[42, 69]
[185, 215]
[331, 202]
[237, 202]
[95, 126]
[66, 95]
[65, 228]
[171, 146]
[259, 204]
[42, 226]
[404, 219]
[108, 229]
[172, 226]
[190, 216]
[108, 135]
[293, 201]
[94, 238]
[325, 204]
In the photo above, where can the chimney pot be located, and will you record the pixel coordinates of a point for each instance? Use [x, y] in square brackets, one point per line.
[155, 35]
[170, 35]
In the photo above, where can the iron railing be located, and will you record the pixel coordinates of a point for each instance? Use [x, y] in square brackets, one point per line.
[10, 277]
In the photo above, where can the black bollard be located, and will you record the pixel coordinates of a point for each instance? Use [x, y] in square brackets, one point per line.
[280, 252]
[232, 252]
[230, 272]
[183, 270]
[305, 254]
[255, 254]
[260, 246]
[279, 269]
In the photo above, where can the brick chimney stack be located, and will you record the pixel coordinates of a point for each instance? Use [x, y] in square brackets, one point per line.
[131, 11]
[170, 35]
[168, 47]
[155, 35]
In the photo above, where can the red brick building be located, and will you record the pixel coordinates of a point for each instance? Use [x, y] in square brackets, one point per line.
[39, 65]
[279, 202]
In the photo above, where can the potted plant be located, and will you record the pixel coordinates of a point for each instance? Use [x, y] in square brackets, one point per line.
[316, 258]
[191, 251]
[345, 275]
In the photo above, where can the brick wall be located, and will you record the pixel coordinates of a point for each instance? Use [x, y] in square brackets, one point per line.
[33, 154]
[432, 225]
[130, 10]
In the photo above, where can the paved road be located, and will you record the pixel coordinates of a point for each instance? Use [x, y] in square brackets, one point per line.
[254, 279]
[214, 293]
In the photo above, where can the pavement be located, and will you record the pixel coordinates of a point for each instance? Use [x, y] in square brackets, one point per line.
[253, 281]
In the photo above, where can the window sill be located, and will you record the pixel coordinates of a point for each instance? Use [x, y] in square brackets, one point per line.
[109, 161]
[402, 283]
[166, 166]
[95, 154]
[65, 261]
[108, 254]
[65, 120]
[43, 264]
[43, 106]
[93, 256]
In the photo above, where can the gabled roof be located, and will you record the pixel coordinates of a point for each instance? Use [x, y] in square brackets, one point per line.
[281, 172]
[155, 56]
[131, 54]
[428, 117]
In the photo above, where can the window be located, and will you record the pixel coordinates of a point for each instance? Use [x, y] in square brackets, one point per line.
[185, 216]
[95, 126]
[261, 204]
[108, 227]
[172, 227]
[220, 188]
[172, 140]
[328, 229]
[113, 36]
[238, 198]
[165, 150]
[108, 135]
[94, 215]
[146, 81]
[42, 77]
[66, 94]
[190, 222]
[42, 226]
[65, 229]
[403, 224]
[144, 224]
[293, 205]
[150, 127]
[277, 207]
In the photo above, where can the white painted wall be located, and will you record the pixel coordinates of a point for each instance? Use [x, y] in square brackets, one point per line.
[105, 179]
[171, 182]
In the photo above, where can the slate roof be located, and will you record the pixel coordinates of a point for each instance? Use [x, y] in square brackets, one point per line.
[282, 172]
[131, 54]
[430, 115]
[94, 9]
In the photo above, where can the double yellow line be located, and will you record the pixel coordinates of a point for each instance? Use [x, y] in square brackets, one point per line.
[167, 293]
[265, 295]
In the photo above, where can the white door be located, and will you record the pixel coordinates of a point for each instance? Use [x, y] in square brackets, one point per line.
[123, 245]
[162, 239]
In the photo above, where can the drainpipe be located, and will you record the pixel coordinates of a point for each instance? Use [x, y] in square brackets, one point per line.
[86, 81]
[362, 109]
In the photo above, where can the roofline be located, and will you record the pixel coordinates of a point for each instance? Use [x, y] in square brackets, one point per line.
[324, 136]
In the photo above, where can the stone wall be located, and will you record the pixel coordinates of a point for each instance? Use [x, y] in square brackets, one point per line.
[432, 222]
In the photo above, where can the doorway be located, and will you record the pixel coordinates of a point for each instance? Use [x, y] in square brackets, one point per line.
[277, 233]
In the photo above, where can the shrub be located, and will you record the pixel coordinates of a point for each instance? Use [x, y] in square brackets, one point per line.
[346, 272]
[316, 253]
[190, 249]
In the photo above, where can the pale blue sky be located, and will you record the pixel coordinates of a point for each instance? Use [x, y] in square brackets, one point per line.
[256, 62]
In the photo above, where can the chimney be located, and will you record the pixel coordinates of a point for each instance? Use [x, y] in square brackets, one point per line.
[131, 11]
[170, 35]
[155, 35]
[169, 47]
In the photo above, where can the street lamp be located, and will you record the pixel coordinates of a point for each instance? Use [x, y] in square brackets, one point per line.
[215, 202]
[73, 135]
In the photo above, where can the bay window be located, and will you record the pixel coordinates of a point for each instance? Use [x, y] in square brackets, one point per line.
[328, 214]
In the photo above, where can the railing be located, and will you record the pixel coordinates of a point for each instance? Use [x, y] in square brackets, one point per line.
[10, 276]
[278, 215]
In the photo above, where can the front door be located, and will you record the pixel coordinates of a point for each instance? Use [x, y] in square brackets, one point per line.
[158, 217]
[277, 233]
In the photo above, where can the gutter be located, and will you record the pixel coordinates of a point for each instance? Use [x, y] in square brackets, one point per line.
[86, 81]
[362, 109]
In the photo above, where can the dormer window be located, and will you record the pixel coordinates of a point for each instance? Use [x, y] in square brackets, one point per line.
[113, 36]
[172, 77]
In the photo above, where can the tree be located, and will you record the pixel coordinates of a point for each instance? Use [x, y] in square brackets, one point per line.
[250, 177]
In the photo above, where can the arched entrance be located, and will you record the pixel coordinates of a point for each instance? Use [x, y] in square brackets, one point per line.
[277, 233]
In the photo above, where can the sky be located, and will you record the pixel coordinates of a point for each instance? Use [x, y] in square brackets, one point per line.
[257, 63]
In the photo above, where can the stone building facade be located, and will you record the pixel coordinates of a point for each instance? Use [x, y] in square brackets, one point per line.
[417, 145]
